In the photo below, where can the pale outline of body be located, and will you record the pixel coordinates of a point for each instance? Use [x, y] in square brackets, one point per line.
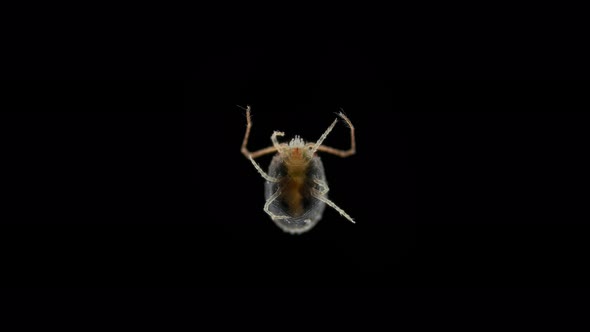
[297, 147]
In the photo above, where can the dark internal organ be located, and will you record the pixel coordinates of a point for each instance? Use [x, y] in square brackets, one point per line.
[294, 194]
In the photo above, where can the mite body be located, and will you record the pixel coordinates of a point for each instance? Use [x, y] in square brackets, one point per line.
[296, 189]
[296, 195]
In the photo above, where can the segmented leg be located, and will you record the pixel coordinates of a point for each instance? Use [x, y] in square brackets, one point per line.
[263, 173]
[275, 141]
[245, 150]
[323, 198]
[323, 137]
[324, 186]
[340, 153]
[269, 202]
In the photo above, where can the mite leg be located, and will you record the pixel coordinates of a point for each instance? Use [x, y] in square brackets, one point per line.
[317, 145]
[269, 202]
[245, 150]
[324, 186]
[323, 198]
[342, 153]
[274, 140]
[263, 173]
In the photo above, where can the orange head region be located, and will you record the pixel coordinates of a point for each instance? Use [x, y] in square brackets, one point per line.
[297, 153]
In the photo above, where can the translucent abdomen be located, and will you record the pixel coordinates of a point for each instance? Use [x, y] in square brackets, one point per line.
[311, 209]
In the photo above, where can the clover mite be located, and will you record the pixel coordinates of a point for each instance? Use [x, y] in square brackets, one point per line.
[296, 190]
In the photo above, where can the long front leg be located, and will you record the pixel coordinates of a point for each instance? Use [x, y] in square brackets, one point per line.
[342, 153]
[245, 151]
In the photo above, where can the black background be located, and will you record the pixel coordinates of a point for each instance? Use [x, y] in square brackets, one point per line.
[135, 184]
[110, 184]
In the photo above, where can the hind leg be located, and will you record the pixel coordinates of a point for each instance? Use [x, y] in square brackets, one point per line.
[321, 195]
[267, 206]
[324, 186]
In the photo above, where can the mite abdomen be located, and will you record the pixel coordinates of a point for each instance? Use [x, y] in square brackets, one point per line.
[295, 201]
[293, 192]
